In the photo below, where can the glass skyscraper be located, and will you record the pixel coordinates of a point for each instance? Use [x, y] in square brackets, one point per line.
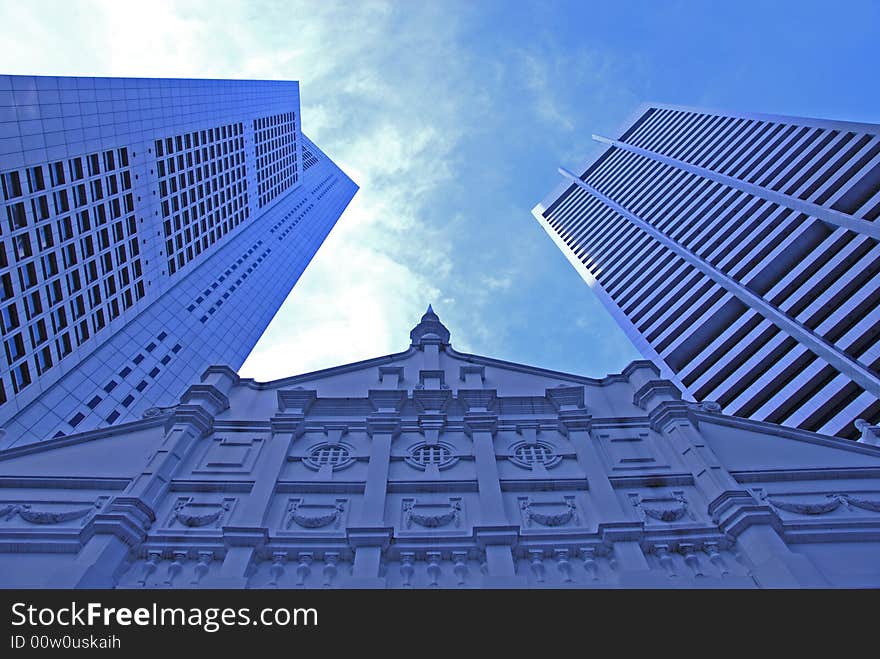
[740, 253]
[150, 228]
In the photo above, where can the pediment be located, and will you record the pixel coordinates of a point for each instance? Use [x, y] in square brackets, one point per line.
[115, 453]
[743, 445]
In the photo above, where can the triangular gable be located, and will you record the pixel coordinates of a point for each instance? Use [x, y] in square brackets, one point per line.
[743, 445]
[120, 452]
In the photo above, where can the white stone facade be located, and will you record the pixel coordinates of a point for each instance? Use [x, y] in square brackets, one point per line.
[434, 468]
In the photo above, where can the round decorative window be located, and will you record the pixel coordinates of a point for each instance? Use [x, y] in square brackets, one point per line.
[337, 456]
[528, 455]
[441, 455]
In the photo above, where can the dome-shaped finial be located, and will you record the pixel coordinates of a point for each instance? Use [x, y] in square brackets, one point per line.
[429, 329]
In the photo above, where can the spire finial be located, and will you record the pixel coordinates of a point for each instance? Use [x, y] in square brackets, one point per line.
[430, 329]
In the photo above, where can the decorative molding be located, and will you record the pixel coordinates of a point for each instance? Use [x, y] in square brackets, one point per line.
[206, 394]
[866, 504]
[153, 412]
[314, 515]
[378, 424]
[566, 397]
[193, 415]
[432, 400]
[34, 514]
[387, 400]
[394, 375]
[476, 422]
[825, 504]
[710, 407]
[574, 421]
[549, 513]
[472, 369]
[296, 400]
[662, 389]
[431, 374]
[829, 504]
[287, 423]
[478, 400]
[870, 435]
[431, 515]
[669, 508]
[668, 413]
[197, 514]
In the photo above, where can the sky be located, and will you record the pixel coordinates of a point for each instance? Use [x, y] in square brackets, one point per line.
[453, 118]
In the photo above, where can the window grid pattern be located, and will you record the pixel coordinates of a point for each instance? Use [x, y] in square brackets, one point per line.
[246, 272]
[81, 116]
[439, 455]
[334, 456]
[309, 158]
[286, 225]
[202, 180]
[112, 399]
[324, 187]
[822, 276]
[275, 150]
[530, 455]
[69, 259]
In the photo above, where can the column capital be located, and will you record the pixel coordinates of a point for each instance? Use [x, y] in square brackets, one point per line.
[128, 518]
[475, 422]
[736, 510]
[478, 400]
[221, 376]
[383, 424]
[194, 416]
[287, 423]
[432, 400]
[666, 414]
[655, 391]
[296, 401]
[206, 395]
[566, 397]
[387, 401]
[432, 421]
[575, 421]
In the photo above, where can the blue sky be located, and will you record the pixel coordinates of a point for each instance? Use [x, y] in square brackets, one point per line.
[453, 117]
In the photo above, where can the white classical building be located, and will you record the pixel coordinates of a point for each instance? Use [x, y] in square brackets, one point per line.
[434, 468]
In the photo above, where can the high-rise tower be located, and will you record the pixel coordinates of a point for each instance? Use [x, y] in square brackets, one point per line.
[740, 253]
[150, 227]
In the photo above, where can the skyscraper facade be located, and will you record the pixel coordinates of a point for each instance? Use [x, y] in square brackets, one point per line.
[150, 227]
[740, 253]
